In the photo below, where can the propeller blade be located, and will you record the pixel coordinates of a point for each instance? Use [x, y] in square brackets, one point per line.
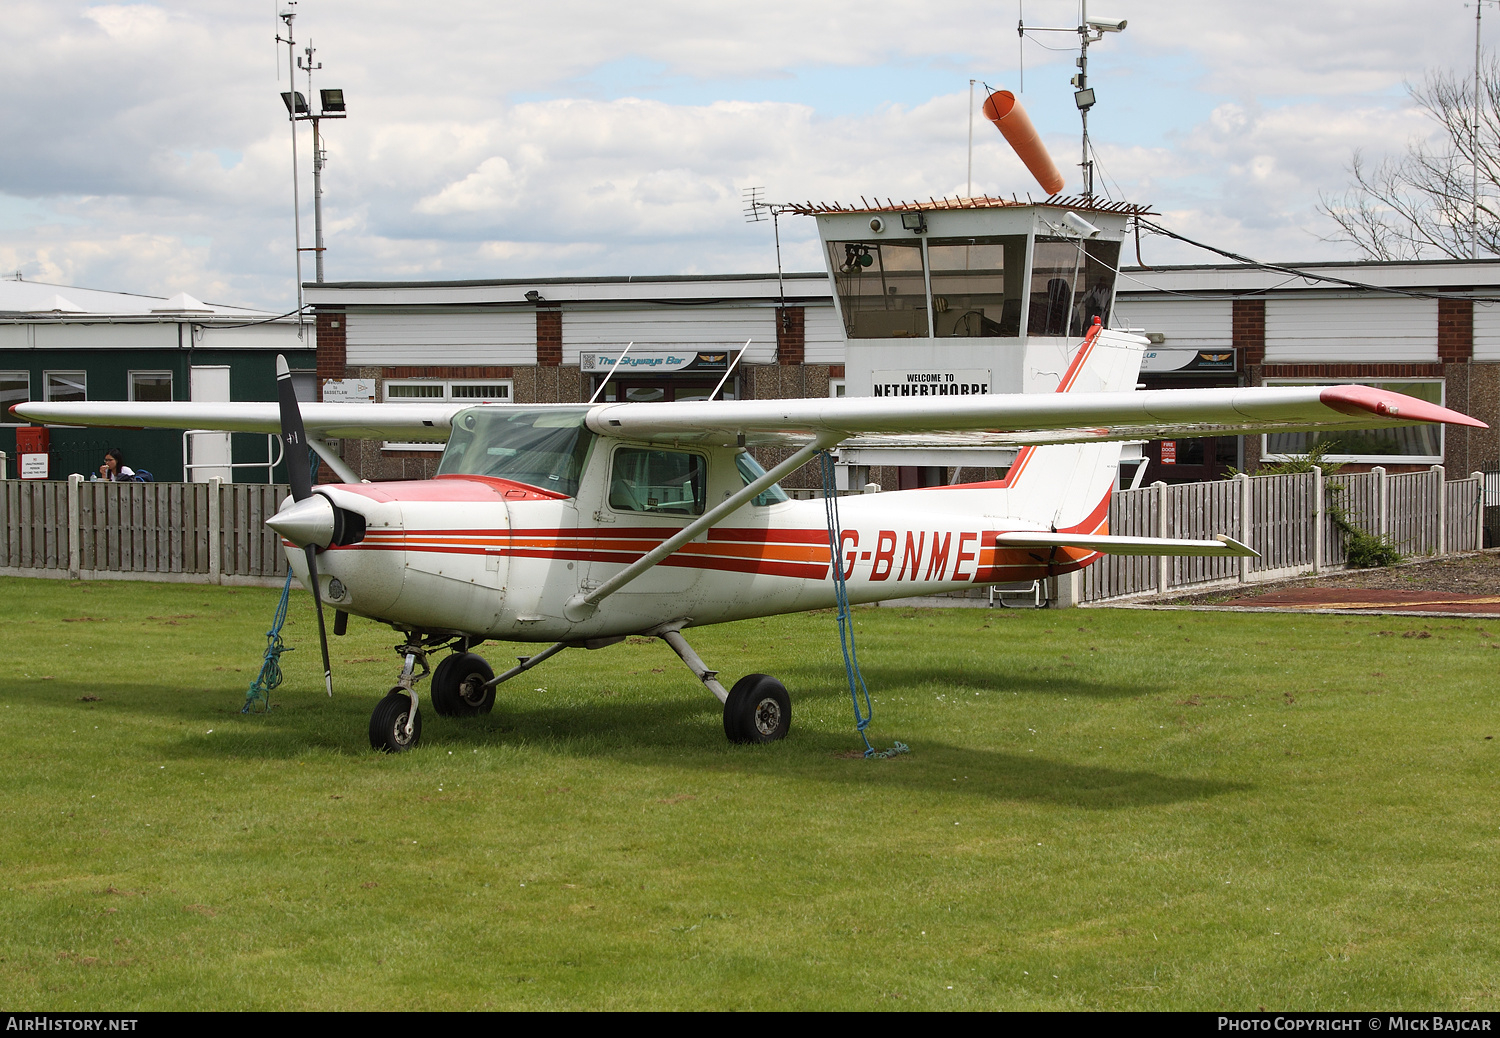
[312, 573]
[294, 436]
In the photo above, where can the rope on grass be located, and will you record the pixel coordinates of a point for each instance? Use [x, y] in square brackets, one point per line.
[270, 667]
[857, 688]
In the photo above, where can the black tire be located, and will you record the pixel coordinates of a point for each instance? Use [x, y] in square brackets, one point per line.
[443, 695]
[757, 710]
[458, 686]
[388, 723]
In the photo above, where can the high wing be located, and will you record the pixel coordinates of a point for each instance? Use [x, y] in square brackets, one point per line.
[405, 422]
[982, 420]
[1022, 419]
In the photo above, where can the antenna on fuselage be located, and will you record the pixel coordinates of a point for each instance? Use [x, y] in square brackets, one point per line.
[611, 373]
[730, 370]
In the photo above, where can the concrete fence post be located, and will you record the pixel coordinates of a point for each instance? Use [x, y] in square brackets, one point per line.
[1245, 523]
[1163, 562]
[1478, 478]
[1380, 500]
[1317, 559]
[75, 533]
[215, 531]
[1439, 477]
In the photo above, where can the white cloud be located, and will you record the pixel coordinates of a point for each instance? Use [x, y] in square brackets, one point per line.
[151, 152]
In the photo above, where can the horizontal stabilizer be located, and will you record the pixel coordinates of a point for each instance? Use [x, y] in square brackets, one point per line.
[1221, 546]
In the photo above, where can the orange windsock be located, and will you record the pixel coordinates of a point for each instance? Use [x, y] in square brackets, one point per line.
[1002, 109]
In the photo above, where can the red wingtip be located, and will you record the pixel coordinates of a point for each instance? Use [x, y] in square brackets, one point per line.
[1357, 400]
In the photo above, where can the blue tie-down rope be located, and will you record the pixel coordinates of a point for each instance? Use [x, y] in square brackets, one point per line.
[270, 667]
[857, 689]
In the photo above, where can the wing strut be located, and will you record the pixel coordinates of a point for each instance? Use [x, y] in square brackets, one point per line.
[582, 606]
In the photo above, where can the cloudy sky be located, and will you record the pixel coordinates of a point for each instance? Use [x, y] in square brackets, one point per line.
[146, 149]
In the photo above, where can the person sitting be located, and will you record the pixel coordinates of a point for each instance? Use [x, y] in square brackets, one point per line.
[114, 468]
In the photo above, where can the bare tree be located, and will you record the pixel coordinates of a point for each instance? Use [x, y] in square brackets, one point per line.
[1423, 203]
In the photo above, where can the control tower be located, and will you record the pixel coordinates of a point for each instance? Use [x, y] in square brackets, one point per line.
[965, 295]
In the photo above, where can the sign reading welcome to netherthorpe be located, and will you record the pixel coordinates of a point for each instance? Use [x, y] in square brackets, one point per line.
[958, 382]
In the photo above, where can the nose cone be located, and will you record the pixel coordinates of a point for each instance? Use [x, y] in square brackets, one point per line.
[309, 521]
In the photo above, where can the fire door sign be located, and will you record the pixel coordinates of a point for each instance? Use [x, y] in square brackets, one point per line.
[34, 466]
[1169, 452]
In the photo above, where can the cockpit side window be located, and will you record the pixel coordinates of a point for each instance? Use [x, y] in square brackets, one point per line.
[750, 471]
[658, 481]
[540, 447]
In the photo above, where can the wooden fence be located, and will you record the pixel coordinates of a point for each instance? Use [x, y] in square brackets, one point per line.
[1289, 519]
[211, 532]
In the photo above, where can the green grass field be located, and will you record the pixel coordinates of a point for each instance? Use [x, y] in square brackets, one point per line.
[1102, 809]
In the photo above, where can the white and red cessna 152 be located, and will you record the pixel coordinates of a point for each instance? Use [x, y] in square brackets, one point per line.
[579, 525]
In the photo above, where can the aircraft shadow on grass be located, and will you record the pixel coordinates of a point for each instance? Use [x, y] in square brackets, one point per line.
[687, 727]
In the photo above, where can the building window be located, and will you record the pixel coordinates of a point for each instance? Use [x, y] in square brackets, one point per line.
[881, 288]
[66, 386]
[439, 391]
[1402, 444]
[836, 388]
[1072, 282]
[154, 386]
[15, 388]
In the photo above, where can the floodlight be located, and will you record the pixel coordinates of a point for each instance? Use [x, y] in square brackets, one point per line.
[333, 100]
[1080, 226]
[299, 107]
[914, 222]
[1107, 24]
[533, 296]
[1084, 98]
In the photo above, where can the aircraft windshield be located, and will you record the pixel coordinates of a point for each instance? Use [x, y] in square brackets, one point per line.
[539, 447]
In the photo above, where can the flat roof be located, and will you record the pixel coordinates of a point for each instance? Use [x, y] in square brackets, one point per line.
[1074, 202]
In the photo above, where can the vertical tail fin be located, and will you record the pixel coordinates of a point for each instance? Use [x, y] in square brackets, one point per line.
[1066, 486]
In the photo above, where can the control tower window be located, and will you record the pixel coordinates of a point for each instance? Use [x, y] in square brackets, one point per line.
[880, 288]
[977, 285]
[1072, 282]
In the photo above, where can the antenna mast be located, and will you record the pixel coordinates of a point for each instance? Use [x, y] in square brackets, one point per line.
[1089, 30]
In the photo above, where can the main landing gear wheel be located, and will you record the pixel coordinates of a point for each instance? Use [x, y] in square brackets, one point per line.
[757, 710]
[458, 686]
[388, 723]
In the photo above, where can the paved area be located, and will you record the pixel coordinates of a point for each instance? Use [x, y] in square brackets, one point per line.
[1457, 585]
[1375, 600]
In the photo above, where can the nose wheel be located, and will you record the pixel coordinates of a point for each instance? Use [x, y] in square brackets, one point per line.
[396, 724]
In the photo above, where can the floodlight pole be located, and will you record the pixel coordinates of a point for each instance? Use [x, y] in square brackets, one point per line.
[291, 65]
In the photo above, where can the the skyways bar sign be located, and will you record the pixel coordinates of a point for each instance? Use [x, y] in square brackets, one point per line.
[656, 361]
[930, 382]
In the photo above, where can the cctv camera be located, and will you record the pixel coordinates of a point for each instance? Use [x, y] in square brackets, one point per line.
[1078, 225]
[877, 225]
[1107, 24]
